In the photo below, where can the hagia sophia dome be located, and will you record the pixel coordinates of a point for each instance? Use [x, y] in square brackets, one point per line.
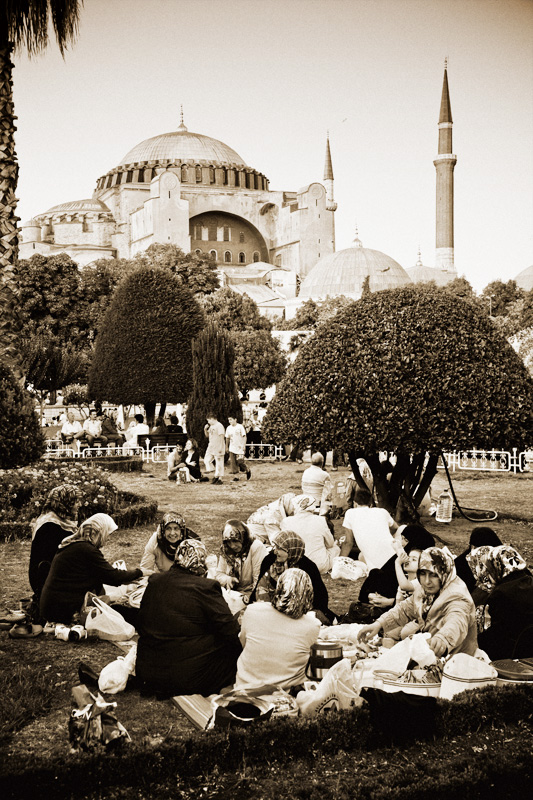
[182, 146]
[524, 279]
[422, 274]
[344, 273]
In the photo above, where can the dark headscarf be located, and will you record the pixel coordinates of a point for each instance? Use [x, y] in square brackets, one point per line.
[238, 532]
[483, 535]
[59, 508]
[418, 538]
[169, 548]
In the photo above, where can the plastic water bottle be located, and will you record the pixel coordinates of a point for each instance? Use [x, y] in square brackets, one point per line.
[444, 507]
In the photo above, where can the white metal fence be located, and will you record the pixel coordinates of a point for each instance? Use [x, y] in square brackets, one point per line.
[489, 460]
[157, 454]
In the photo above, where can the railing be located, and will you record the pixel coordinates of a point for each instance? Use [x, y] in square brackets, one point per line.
[264, 452]
[157, 454]
[489, 460]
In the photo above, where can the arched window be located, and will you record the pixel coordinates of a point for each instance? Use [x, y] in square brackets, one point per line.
[198, 174]
[242, 258]
[256, 256]
[241, 237]
[211, 174]
[184, 174]
[213, 254]
[278, 260]
[227, 234]
[198, 252]
[227, 257]
[141, 175]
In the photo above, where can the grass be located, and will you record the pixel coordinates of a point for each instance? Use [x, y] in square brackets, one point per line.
[38, 674]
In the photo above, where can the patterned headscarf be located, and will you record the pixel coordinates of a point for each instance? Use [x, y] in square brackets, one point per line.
[477, 561]
[59, 508]
[235, 531]
[95, 529]
[191, 555]
[305, 502]
[441, 562]
[294, 593]
[286, 505]
[169, 548]
[502, 561]
[295, 547]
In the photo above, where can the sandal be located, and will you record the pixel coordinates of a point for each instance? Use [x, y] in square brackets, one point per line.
[25, 631]
[14, 618]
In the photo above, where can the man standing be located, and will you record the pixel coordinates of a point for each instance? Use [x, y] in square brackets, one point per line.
[236, 444]
[216, 448]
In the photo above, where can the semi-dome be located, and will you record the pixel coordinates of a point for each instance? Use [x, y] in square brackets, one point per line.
[524, 279]
[422, 274]
[79, 206]
[181, 146]
[344, 273]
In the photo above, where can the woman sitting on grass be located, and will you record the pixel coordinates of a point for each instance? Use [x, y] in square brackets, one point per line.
[277, 636]
[190, 460]
[288, 550]
[58, 519]
[442, 606]
[80, 567]
[160, 549]
[265, 522]
[188, 638]
[240, 559]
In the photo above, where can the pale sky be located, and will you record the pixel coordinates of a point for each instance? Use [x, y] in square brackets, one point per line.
[270, 77]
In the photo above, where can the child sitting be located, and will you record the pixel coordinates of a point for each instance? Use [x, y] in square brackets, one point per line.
[406, 566]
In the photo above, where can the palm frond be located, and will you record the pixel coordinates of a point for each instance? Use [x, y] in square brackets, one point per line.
[27, 22]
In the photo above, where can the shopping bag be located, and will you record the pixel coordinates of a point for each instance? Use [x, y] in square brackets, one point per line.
[239, 709]
[348, 569]
[416, 649]
[335, 691]
[108, 623]
[114, 676]
[462, 672]
[234, 599]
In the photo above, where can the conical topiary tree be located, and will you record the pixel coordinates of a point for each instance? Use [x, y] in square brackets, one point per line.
[22, 440]
[143, 350]
[214, 386]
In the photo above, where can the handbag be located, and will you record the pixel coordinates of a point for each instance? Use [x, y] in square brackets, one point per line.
[107, 623]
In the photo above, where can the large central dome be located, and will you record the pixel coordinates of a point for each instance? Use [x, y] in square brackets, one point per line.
[181, 146]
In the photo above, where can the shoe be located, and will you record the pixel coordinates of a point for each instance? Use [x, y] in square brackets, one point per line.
[50, 627]
[216, 481]
[14, 618]
[88, 675]
[235, 479]
[25, 631]
[248, 474]
[204, 479]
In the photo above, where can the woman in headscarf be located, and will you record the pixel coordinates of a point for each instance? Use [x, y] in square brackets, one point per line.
[161, 547]
[79, 567]
[288, 550]
[509, 605]
[240, 559]
[276, 637]
[441, 605]
[188, 638]
[481, 536]
[265, 522]
[58, 519]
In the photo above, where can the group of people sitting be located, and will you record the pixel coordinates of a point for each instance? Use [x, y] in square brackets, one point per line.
[190, 642]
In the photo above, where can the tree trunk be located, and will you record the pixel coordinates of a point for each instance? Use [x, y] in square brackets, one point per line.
[10, 326]
[149, 410]
[162, 409]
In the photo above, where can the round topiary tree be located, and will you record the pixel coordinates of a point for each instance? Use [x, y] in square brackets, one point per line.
[214, 386]
[410, 372]
[143, 351]
[22, 440]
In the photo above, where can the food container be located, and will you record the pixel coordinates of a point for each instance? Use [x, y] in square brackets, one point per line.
[513, 671]
[323, 656]
[389, 682]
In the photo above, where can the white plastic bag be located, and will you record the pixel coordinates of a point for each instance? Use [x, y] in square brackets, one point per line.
[108, 623]
[114, 676]
[234, 600]
[336, 690]
[415, 648]
[348, 569]
[463, 672]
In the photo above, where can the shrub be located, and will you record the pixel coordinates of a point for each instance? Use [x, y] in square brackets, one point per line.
[22, 440]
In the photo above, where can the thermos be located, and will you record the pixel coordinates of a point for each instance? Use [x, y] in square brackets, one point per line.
[323, 656]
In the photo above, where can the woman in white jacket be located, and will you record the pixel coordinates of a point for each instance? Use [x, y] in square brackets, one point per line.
[161, 547]
[239, 562]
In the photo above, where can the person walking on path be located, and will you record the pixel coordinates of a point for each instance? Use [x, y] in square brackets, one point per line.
[236, 445]
[216, 449]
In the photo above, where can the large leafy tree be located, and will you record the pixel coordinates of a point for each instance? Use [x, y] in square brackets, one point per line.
[23, 24]
[410, 371]
[259, 361]
[196, 272]
[143, 350]
[49, 297]
[214, 386]
[233, 311]
[22, 440]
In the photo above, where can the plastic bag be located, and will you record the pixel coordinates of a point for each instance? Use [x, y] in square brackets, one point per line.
[93, 722]
[239, 708]
[348, 569]
[336, 691]
[114, 676]
[108, 623]
[414, 649]
[463, 672]
[234, 599]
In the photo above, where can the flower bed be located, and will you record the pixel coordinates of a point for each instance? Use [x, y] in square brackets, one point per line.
[23, 492]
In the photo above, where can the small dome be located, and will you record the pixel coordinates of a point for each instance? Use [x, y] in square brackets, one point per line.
[344, 273]
[182, 146]
[421, 274]
[524, 279]
[78, 206]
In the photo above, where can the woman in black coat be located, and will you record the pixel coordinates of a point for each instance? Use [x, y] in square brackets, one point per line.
[288, 551]
[188, 637]
[80, 567]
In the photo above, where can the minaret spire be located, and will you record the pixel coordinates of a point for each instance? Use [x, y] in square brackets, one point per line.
[445, 164]
[182, 126]
[331, 205]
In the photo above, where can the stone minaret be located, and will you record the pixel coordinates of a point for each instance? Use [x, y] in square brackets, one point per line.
[331, 205]
[444, 164]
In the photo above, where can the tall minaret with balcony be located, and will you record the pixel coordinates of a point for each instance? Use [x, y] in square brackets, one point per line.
[331, 205]
[444, 164]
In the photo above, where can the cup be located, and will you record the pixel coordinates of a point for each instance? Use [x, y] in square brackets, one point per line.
[76, 633]
[62, 632]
